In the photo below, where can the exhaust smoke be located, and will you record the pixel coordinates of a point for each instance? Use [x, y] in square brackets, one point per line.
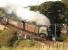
[22, 11]
[27, 15]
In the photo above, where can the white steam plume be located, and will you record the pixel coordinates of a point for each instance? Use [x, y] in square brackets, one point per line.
[18, 8]
[28, 15]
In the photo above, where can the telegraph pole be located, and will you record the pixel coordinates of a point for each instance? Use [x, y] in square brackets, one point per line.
[55, 30]
[54, 37]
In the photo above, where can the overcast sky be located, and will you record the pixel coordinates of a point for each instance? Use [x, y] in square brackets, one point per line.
[22, 2]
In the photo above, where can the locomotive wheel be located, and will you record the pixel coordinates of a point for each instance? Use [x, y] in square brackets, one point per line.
[42, 35]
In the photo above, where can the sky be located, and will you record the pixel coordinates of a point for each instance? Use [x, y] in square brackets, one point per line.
[24, 3]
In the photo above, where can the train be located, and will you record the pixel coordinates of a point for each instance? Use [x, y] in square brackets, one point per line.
[30, 29]
[26, 26]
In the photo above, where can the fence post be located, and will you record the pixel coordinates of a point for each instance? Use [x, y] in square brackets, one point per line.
[55, 32]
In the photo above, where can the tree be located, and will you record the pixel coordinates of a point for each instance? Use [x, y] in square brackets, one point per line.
[53, 10]
[65, 2]
[2, 12]
[66, 12]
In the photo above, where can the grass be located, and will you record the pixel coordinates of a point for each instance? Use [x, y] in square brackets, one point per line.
[7, 34]
[25, 43]
[22, 45]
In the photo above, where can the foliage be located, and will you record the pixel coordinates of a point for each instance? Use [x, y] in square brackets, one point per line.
[24, 43]
[5, 48]
[35, 8]
[53, 10]
[66, 12]
[61, 38]
[65, 2]
[6, 36]
[2, 12]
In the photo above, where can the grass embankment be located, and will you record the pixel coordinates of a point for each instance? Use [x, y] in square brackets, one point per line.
[30, 45]
[7, 42]
[5, 36]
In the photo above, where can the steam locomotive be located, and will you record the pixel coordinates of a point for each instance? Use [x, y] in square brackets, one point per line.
[29, 27]
[47, 32]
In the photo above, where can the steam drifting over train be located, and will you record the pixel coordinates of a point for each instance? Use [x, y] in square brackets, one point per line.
[40, 30]
[25, 14]
[31, 16]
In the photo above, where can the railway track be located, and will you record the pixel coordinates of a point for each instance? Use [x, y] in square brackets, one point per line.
[31, 36]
